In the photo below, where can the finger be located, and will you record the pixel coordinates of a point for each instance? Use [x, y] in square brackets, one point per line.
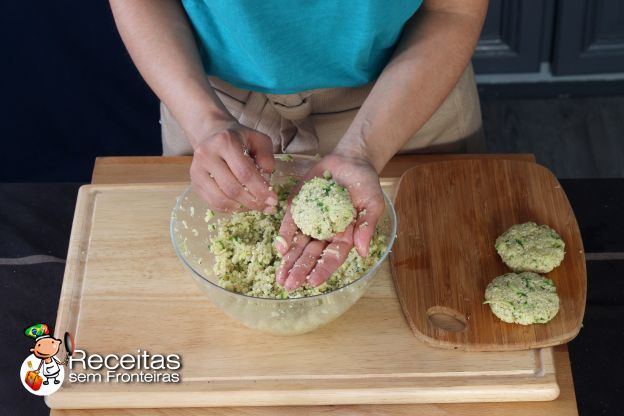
[332, 257]
[231, 187]
[366, 222]
[261, 149]
[288, 228]
[288, 261]
[205, 184]
[244, 169]
[305, 263]
[287, 232]
[208, 189]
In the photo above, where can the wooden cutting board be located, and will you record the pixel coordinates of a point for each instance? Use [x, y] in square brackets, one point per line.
[124, 289]
[449, 216]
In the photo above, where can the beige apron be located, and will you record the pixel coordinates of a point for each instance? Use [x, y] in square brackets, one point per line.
[314, 121]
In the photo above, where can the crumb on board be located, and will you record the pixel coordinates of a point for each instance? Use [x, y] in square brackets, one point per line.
[208, 215]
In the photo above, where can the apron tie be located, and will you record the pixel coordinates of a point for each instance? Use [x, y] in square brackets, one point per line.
[285, 118]
[297, 133]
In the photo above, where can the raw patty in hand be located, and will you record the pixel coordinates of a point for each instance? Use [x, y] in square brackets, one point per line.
[322, 208]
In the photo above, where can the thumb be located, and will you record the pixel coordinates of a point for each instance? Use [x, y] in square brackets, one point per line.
[261, 148]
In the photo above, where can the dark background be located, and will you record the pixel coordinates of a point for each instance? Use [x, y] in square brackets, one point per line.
[69, 92]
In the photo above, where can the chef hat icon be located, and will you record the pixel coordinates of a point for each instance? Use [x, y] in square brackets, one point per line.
[37, 332]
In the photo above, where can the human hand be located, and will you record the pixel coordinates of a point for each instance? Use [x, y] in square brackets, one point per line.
[305, 259]
[231, 168]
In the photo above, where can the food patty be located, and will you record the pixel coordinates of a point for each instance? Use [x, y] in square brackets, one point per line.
[523, 298]
[530, 247]
[322, 208]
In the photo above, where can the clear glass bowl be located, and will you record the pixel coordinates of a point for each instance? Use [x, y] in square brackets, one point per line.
[191, 239]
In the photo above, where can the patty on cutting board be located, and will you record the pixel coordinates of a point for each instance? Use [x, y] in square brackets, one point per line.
[523, 298]
[530, 247]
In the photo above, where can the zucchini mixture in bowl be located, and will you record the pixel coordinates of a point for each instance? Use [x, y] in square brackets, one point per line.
[246, 259]
[232, 258]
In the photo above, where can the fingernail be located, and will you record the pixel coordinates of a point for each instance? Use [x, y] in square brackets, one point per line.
[280, 281]
[272, 201]
[281, 245]
[270, 210]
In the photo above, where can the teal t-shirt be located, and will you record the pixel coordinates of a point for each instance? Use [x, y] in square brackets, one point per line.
[286, 46]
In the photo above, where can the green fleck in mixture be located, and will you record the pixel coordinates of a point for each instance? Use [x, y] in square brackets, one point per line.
[285, 158]
[246, 259]
[322, 208]
[530, 247]
[524, 298]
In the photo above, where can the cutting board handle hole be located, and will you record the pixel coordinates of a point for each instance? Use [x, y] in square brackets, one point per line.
[446, 318]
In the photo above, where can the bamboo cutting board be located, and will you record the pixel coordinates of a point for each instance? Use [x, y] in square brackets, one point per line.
[449, 216]
[124, 289]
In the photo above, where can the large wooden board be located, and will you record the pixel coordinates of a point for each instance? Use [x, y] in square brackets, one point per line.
[124, 289]
[449, 215]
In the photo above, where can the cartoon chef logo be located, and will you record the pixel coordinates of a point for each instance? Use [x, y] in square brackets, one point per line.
[42, 373]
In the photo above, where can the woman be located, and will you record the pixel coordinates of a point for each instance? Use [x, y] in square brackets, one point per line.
[354, 80]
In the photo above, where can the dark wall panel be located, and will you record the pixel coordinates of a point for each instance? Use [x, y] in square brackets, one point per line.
[513, 36]
[589, 37]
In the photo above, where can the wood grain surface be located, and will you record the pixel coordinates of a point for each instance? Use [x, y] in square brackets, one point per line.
[449, 216]
[155, 169]
[129, 291]
[565, 405]
[144, 169]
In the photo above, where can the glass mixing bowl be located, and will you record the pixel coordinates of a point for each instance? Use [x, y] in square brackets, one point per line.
[191, 238]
